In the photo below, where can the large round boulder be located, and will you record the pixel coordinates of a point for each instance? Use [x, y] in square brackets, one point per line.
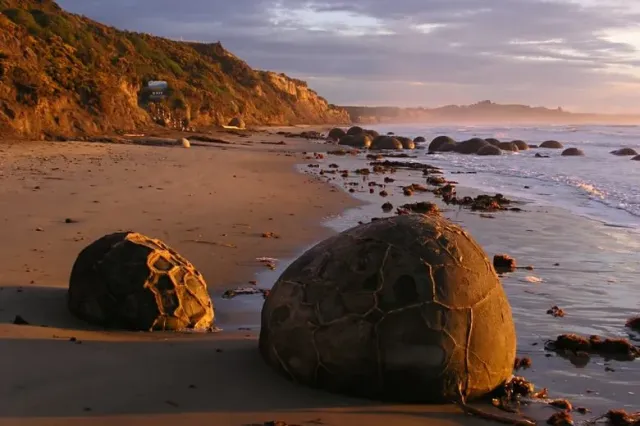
[386, 142]
[129, 281]
[572, 152]
[493, 141]
[407, 308]
[407, 143]
[237, 122]
[361, 140]
[355, 130]
[419, 139]
[336, 134]
[442, 144]
[551, 144]
[508, 146]
[470, 146]
[522, 145]
[372, 133]
[624, 151]
[489, 150]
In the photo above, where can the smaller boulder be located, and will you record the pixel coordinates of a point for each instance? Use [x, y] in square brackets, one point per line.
[336, 134]
[636, 158]
[439, 143]
[624, 151]
[237, 122]
[522, 145]
[493, 141]
[407, 143]
[470, 146]
[572, 152]
[355, 130]
[504, 263]
[372, 133]
[419, 139]
[489, 150]
[551, 144]
[386, 142]
[508, 146]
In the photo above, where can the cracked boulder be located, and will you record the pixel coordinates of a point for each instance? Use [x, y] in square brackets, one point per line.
[406, 309]
[127, 280]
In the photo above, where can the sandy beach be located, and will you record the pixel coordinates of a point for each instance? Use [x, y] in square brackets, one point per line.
[212, 203]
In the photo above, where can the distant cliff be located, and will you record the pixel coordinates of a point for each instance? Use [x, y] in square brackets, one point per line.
[481, 112]
[64, 74]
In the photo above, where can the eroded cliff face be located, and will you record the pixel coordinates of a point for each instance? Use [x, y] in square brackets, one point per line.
[65, 75]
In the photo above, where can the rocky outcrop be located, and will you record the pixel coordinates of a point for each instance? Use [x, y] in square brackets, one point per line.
[64, 74]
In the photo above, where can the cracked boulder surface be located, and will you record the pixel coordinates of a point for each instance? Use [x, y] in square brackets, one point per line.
[406, 309]
[129, 281]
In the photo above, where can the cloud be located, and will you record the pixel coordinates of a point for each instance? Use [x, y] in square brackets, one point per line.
[576, 53]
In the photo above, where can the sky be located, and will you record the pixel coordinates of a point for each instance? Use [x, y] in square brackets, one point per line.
[581, 55]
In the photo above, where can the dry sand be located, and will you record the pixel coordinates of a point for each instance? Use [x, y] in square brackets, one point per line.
[225, 197]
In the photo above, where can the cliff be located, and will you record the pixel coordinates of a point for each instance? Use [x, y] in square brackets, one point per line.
[62, 74]
[481, 112]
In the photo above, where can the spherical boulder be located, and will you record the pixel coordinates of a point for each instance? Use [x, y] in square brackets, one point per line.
[407, 143]
[129, 281]
[419, 139]
[355, 130]
[386, 142]
[493, 141]
[361, 140]
[237, 122]
[522, 145]
[470, 146]
[624, 151]
[336, 133]
[551, 144]
[489, 150]
[572, 152]
[508, 146]
[442, 144]
[407, 308]
[372, 133]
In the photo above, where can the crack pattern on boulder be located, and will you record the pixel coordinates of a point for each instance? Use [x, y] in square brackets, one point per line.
[404, 308]
[129, 281]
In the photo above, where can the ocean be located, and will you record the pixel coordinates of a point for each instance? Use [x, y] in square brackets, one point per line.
[599, 185]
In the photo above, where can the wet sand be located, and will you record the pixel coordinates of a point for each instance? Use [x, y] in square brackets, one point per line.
[212, 203]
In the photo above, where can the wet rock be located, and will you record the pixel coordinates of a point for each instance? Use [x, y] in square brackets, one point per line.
[375, 157]
[636, 158]
[361, 140]
[504, 262]
[423, 207]
[405, 165]
[417, 188]
[508, 146]
[237, 122]
[522, 145]
[470, 146]
[355, 130]
[622, 418]
[561, 418]
[551, 144]
[493, 141]
[489, 150]
[556, 312]
[419, 139]
[624, 151]
[389, 180]
[634, 323]
[436, 180]
[386, 142]
[270, 235]
[562, 404]
[442, 144]
[619, 349]
[532, 146]
[408, 191]
[384, 193]
[387, 207]
[69, 220]
[522, 363]
[407, 143]
[364, 171]
[538, 155]
[336, 134]
[371, 133]
[572, 152]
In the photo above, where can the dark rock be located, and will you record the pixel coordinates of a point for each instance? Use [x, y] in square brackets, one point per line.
[493, 141]
[624, 151]
[407, 143]
[372, 133]
[522, 363]
[387, 206]
[436, 180]
[470, 146]
[423, 207]
[619, 349]
[538, 155]
[336, 134]
[18, 320]
[489, 150]
[551, 144]
[572, 152]
[508, 146]
[355, 130]
[532, 146]
[442, 144]
[522, 145]
[561, 418]
[636, 158]
[634, 323]
[419, 139]
[556, 312]
[386, 142]
[237, 122]
[504, 263]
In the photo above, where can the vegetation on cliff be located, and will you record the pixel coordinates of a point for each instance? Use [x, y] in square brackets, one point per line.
[64, 74]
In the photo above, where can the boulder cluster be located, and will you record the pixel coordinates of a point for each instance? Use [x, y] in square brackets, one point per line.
[357, 137]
